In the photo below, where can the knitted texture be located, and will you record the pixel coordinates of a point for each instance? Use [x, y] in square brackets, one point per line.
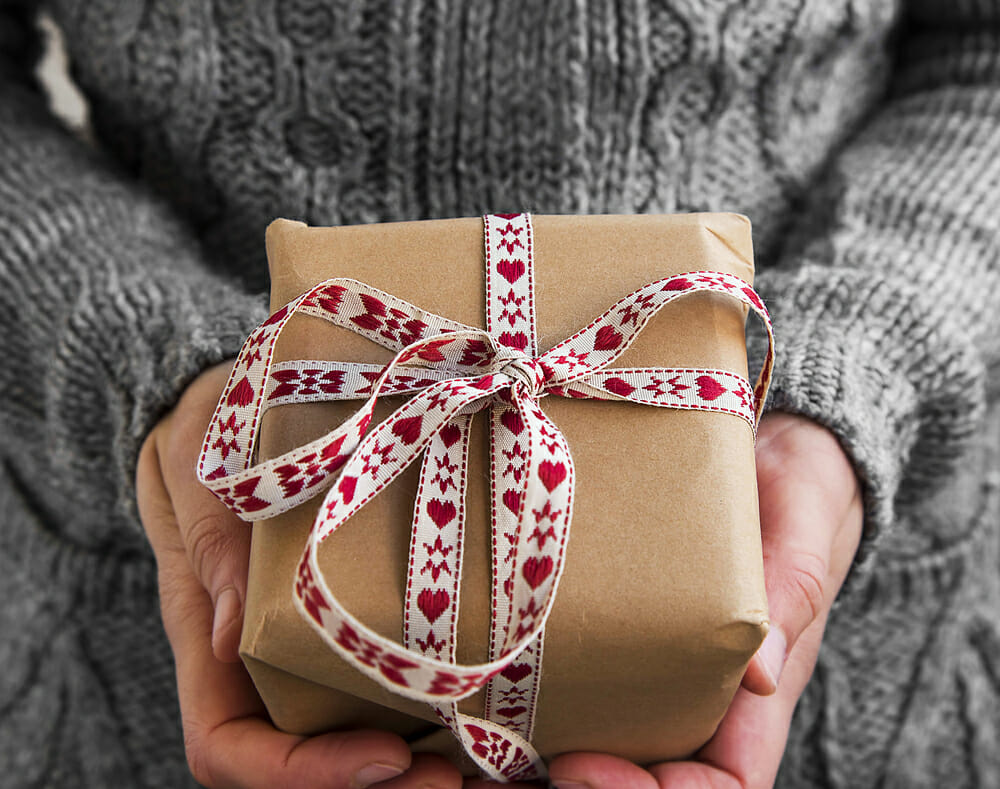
[858, 135]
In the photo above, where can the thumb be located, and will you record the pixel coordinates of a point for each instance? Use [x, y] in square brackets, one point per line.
[216, 541]
[810, 512]
[217, 544]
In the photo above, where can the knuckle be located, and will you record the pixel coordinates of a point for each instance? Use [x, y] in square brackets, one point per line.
[771, 465]
[775, 457]
[207, 541]
[288, 775]
[179, 612]
[806, 582]
[196, 759]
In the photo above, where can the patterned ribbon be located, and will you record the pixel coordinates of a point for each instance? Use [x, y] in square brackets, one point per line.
[454, 371]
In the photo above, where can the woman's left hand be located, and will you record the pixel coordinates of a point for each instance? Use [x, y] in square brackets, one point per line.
[811, 517]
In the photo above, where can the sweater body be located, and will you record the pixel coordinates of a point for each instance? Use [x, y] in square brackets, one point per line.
[859, 136]
[381, 111]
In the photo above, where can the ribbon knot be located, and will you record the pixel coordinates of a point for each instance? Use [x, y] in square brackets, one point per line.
[453, 371]
[531, 374]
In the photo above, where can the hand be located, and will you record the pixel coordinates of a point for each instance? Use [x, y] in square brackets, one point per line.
[811, 516]
[202, 554]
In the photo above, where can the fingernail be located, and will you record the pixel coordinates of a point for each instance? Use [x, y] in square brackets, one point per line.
[772, 653]
[227, 609]
[375, 773]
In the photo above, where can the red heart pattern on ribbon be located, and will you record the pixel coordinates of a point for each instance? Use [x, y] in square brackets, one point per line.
[454, 371]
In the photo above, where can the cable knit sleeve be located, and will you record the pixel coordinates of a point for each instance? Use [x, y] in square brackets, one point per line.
[107, 306]
[887, 300]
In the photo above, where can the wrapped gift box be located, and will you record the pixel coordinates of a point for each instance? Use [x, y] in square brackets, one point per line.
[662, 602]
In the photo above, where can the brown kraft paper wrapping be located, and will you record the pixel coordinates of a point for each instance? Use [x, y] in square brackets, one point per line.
[662, 603]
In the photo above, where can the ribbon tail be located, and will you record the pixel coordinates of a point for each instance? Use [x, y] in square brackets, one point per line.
[502, 754]
[533, 479]
[434, 568]
[378, 460]
[430, 622]
[511, 696]
[543, 525]
[437, 540]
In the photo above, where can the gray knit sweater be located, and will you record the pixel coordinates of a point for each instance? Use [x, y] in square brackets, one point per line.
[860, 136]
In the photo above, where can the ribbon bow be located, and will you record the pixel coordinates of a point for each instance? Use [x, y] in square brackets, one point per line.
[454, 371]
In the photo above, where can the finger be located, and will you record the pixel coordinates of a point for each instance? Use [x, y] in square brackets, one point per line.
[598, 771]
[249, 753]
[750, 741]
[427, 771]
[807, 494]
[177, 604]
[228, 740]
[217, 545]
[482, 783]
[694, 775]
[155, 509]
[216, 541]
[746, 750]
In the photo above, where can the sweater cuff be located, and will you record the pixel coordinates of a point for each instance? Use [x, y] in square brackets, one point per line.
[186, 327]
[150, 337]
[898, 386]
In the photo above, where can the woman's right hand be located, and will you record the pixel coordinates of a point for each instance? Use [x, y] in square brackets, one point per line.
[202, 554]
